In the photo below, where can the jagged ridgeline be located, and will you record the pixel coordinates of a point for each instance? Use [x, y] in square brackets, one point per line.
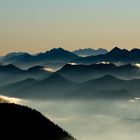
[17, 120]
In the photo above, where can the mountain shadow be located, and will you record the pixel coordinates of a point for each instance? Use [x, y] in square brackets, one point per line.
[24, 122]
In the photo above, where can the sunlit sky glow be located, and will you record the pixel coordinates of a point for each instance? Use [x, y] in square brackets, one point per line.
[39, 25]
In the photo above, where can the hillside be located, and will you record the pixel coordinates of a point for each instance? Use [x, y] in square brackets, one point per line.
[27, 123]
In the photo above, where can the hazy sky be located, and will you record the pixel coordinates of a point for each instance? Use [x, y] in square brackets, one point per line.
[38, 25]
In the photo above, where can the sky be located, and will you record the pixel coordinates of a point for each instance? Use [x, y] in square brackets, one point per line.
[39, 25]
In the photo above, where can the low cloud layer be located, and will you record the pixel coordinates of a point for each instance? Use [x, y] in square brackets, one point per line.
[98, 120]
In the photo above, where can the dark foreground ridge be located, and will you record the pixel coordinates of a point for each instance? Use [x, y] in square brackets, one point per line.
[26, 123]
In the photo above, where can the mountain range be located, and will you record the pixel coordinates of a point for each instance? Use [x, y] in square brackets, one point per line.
[103, 80]
[89, 52]
[80, 73]
[78, 77]
[115, 55]
[10, 73]
[57, 87]
[56, 58]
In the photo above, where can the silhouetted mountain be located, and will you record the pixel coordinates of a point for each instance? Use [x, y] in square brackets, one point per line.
[117, 51]
[37, 72]
[107, 87]
[15, 87]
[55, 79]
[9, 68]
[56, 56]
[89, 52]
[101, 51]
[57, 87]
[15, 58]
[106, 82]
[115, 55]
[79, 73]
[12, 55]
[27, 123]
[135, 52]
[54, 86]
[10, 73]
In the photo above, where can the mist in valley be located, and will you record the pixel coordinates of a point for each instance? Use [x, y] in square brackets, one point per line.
[91, 101]
[93, 120]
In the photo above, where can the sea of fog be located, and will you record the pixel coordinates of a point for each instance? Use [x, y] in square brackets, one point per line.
[90, 119]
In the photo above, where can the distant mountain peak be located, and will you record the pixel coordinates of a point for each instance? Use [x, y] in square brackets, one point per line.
[89, 51]
[102, 49]
[57, 50]
[135, 51]
[115, 50]
[10, 68]
[16, 54]
[57, 54]
[56, 79]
